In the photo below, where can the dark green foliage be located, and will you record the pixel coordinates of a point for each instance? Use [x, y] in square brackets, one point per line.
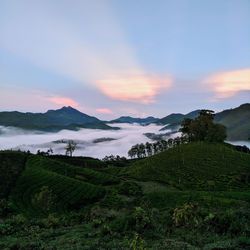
[187, 215]
[69, 192]
[45, 199]
[79, 161]
[11, 166]
[129, 188]
[85, 174]
[202, 128]
[192, 196]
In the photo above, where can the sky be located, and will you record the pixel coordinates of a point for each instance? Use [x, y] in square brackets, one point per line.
[109, 58]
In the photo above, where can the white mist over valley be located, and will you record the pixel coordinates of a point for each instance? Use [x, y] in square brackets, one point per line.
[90, 142]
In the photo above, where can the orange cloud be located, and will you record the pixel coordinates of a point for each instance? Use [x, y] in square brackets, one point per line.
[104, 111]
[136, 88]
[65, 101]
[228, 83]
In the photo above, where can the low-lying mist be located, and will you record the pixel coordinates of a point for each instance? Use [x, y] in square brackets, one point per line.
[116, 142]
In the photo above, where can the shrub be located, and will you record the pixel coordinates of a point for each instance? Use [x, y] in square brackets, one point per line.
[51, 221]
[187, 215]
[129, 188]
[137, 243]
[45, 199]
[5, 208]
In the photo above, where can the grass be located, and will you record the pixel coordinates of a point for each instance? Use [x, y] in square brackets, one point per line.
[86, 174]
[11, 166]
[69, 192]
[196, 166]
[133, 207]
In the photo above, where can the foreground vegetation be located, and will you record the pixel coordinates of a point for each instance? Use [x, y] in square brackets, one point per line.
[191, 196]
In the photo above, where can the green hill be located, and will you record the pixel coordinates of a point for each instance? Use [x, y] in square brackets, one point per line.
[193, 196]
[67, 183]
[196, 166]
[52, 120]
[237, 122]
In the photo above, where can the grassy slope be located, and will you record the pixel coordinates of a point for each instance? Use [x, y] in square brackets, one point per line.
[211, 175]
[61, 179]
[11, 166]
[196, 166]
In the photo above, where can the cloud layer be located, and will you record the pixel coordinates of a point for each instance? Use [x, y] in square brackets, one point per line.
[136, 88]
[228, 83]
[127, 136]
[46, 37]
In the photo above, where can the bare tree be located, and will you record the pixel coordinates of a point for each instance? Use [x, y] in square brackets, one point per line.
[70, 147]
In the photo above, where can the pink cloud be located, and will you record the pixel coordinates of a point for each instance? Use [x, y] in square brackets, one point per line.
[228, 83]
[64, 101]
[104, 111]
[136, 88]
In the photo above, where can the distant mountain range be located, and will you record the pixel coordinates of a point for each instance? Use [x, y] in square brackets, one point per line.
[237, 120]
[52, 120]
[129, 119]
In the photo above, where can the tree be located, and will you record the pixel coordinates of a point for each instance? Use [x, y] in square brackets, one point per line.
[70, 147]
[203, 128]
[148, 148]
[133, 151]
[142, 151]
[216, 133]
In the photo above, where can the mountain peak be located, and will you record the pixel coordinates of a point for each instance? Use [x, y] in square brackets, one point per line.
[67, 107]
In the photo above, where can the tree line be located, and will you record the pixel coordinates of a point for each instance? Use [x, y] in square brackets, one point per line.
[148, 149]
[201, 128]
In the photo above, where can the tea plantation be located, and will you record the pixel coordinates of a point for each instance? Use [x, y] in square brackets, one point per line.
[193, 196]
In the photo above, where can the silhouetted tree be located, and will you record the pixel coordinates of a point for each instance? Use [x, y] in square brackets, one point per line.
[70, 148]
[203, 128]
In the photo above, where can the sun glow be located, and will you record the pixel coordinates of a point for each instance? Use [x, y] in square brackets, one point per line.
[63, 101]
[112, 65]
[138, 88]
[229, 83]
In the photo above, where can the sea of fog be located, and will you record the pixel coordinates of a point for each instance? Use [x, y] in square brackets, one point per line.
[127, 136]
[90, 142]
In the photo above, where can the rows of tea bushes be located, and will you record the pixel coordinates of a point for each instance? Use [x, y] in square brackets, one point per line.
[68, 192]
[11, 166]
[86, 174]
[199, 166]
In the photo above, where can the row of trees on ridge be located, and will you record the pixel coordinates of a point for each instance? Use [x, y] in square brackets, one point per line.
[201, 128]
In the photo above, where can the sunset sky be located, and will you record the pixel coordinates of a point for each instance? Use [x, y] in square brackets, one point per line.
[124, 57]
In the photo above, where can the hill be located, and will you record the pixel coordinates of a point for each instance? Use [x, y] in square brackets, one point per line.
[129, 119]
[52, 120]
[72, 186]
[178, 118]
[194, 196]
[173, 121]
[196, 166]
[237, 122]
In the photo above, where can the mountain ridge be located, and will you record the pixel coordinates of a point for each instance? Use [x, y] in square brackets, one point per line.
[52, 120]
